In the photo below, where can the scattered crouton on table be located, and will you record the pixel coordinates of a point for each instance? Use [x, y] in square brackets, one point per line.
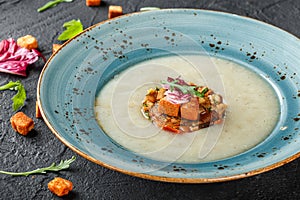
[60, 186]
[37, 111]
[28, 42]
[114, 11]
[21, 123]
[55, 47]
[93, 2]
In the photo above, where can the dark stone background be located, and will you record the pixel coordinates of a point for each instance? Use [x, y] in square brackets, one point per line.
[41, 147]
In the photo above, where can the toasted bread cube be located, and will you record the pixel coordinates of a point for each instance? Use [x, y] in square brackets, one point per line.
[28, 42]
[60, 186]
[168, 108]
[190, 110]
[55, 47]
[21, 123]
[160, 93]
[92, 2]
[37, 111]
[114, 11]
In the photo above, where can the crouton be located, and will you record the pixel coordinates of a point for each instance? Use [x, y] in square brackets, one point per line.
[160, 93]
[92, 2]
[190, 110]
[114, 11]
[168, 108]
[28, 42]
[21, 123]
[55, 47]
[60, 186]
[150, 97]
[37, 111]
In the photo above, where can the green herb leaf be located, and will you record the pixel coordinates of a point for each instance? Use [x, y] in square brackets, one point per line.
[64, 164]
[198, 94]
[202, 94]
[20, 97]
[73, 27]
[185, 88]
[9, 85]
[149, 9]
[51, 4]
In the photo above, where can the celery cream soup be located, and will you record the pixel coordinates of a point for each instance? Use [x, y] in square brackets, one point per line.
[252, 112]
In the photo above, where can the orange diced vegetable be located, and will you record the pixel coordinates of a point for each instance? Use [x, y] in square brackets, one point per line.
[168, 108]
[190, 110]
[28, 42]
[114, 11]
[171, 129]
[219, 121]
[60, 186]
[93, 2]
[21, 123]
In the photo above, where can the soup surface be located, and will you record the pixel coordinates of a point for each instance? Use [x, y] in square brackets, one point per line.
[252, 112]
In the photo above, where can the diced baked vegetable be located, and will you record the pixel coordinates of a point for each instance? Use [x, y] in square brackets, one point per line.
[28, 42]
[55, 47]
[171, 129]
[93, 2]
[21, 123]
[190, 110]
[60, 186]
[168, 108]
[114, 11]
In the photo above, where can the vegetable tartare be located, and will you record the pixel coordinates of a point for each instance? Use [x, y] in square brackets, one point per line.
[181, 107]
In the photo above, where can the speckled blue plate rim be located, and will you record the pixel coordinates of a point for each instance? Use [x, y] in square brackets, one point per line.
[281, 71]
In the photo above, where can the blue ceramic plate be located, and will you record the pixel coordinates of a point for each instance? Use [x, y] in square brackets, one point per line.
[74, 75]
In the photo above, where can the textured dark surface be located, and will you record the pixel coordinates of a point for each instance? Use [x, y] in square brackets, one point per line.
[41, 147]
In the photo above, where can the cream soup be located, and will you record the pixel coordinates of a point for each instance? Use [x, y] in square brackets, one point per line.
[252, 112]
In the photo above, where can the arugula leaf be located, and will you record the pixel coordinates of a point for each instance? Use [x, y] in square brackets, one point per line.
[64, 164]
[51, 4]
[20, 97]
[73, 27]
[10, 85]
[149, 9]
[185, 89]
